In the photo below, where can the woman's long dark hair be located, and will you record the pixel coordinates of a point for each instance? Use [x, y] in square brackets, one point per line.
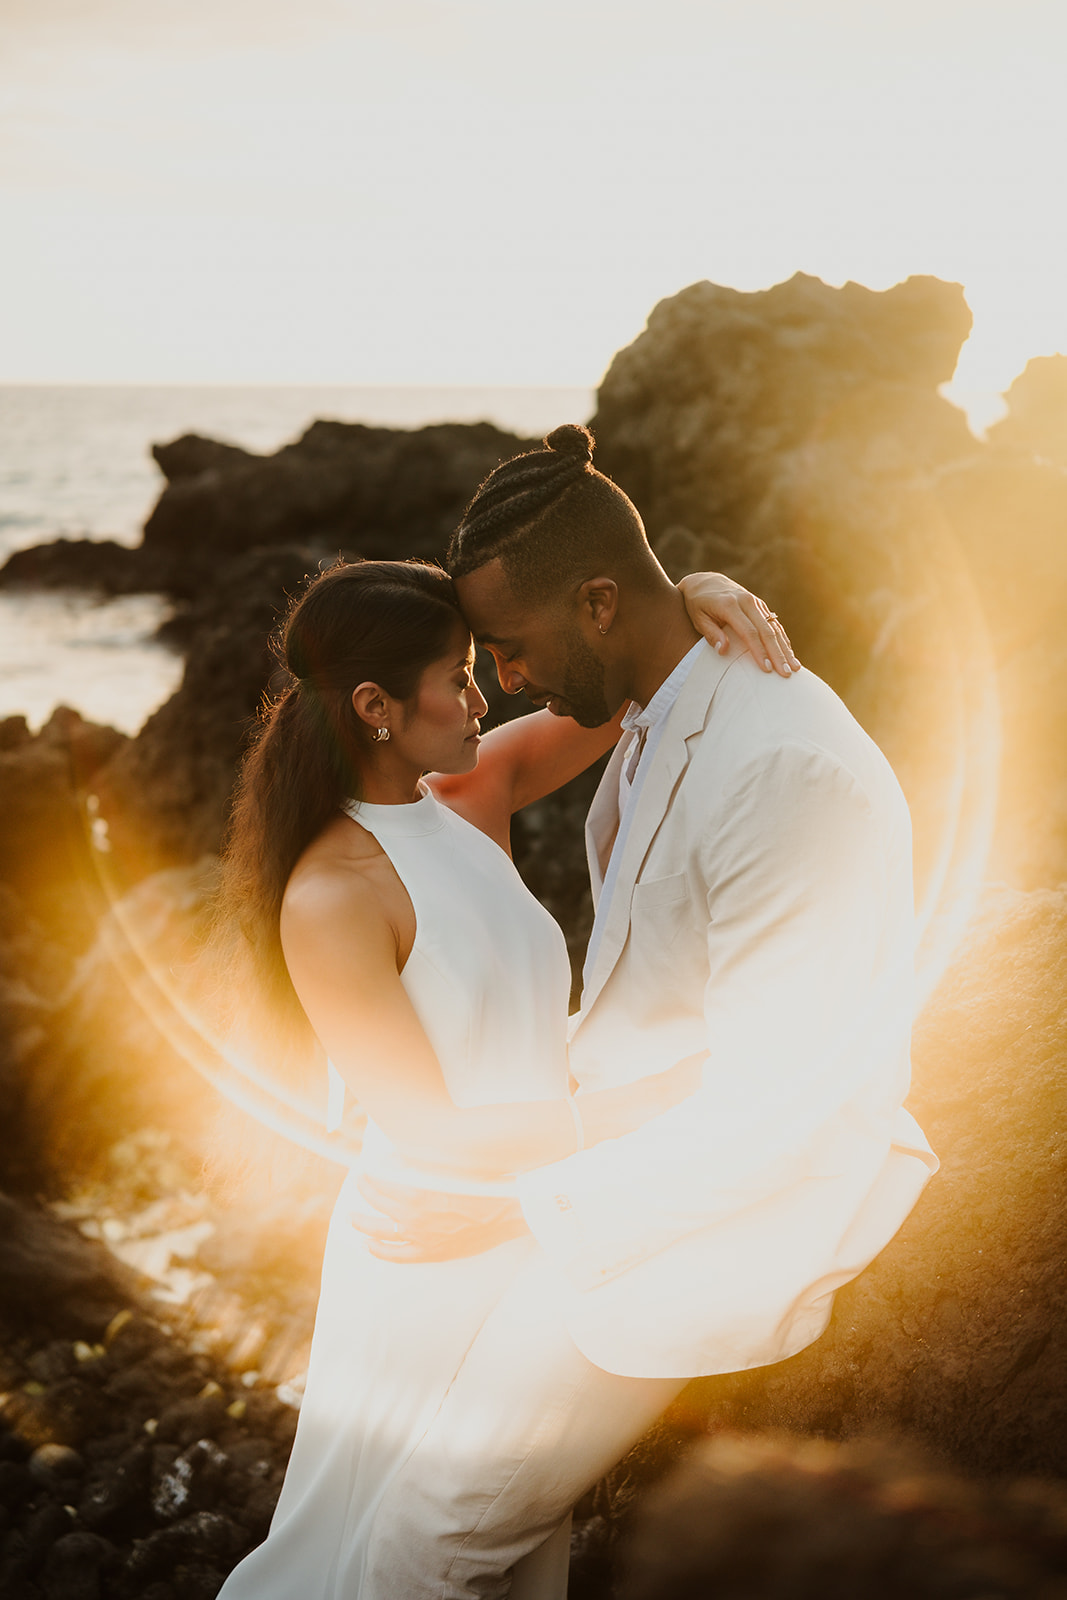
[377, 621]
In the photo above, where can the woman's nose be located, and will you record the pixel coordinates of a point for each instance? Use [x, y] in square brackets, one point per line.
[478, 704]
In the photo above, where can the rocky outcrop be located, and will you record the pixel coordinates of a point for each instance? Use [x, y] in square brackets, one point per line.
[233, 535]
[130, 1466]
[341, 487]
[796, 438]
[44, 847]
[1036, 423]
[374, 491]
[721, 384]
[90, 564]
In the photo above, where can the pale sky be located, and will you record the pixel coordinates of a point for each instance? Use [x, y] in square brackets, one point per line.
[494, 192]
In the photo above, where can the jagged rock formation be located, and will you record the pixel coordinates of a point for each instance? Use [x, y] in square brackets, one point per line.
[796, 438]
[340, 487]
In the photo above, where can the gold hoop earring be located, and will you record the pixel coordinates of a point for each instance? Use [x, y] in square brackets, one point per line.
[381, 736]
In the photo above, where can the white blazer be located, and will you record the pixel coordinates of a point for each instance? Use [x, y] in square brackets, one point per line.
[763, 910]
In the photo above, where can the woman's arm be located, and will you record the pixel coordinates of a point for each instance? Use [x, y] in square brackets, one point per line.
[520, 762]
[534, 755]
[342, 957]
[718, 606]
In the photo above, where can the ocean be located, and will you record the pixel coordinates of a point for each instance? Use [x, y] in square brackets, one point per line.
[76, 461]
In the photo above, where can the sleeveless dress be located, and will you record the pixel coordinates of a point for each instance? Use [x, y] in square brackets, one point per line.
[489, 979]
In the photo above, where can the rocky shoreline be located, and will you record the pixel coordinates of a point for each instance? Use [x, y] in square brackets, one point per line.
[795, 438]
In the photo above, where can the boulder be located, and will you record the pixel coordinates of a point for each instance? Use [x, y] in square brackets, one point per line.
[724, 391]
[796, 438]
[192, 455]
[50, 1274]
[166, 796]
[44, 848]
[378, 491]
[774, 1518]
[96, 564]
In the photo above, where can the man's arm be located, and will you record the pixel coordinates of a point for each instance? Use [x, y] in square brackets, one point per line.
[795, 1019]
[428, 1225]
[803, 1007]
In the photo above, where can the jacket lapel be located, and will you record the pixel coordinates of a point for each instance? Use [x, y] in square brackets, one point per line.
[602, 822]
[687, 717]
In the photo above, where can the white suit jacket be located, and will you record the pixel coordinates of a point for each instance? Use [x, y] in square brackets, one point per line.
[763, 910]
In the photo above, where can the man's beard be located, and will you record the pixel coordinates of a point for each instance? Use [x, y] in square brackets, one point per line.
[583, 684]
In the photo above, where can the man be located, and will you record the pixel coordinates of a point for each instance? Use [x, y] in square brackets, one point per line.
[750, 857]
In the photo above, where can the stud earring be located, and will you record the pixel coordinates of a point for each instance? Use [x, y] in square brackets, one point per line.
[381, 736]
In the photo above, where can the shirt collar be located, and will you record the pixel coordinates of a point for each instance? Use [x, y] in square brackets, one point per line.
[636, 718]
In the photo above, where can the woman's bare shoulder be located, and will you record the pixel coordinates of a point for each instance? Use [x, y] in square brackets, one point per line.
[338, 880]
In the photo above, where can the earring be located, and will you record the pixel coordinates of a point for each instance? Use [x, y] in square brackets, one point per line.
[381, 736]
[602, 628]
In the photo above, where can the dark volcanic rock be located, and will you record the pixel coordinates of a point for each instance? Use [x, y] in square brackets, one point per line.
[722, 390]
[72, 1570]
[45, 1266]
[206, 1536]
[83, 564]
[167, 794]
[788, 1519]
[343, 486]
[234, 535]
[192, 456]
[795, 438]
[44, 851]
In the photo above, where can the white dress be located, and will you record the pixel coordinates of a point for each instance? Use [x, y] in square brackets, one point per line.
[489, 978]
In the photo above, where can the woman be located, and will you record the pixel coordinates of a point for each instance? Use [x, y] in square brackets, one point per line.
[387, 929]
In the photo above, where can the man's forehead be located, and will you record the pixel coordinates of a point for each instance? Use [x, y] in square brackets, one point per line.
[489, 605]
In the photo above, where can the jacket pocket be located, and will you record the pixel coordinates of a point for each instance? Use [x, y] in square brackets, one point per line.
[660, 891]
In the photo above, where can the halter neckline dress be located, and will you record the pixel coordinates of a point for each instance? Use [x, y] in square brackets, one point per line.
[489, 978]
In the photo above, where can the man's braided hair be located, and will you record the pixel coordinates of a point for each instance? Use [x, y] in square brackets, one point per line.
[550, 518]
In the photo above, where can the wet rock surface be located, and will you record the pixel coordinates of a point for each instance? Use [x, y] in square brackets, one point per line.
[131, 1466]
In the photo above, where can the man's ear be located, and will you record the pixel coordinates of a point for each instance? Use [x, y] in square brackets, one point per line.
[370, 703]
[598, 600]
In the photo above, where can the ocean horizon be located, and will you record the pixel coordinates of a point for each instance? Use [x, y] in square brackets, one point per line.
[76, 462]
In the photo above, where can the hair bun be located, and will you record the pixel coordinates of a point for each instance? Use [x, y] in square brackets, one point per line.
[571, 439]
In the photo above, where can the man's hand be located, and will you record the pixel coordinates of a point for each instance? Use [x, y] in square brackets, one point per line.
[718, 606]
[428, 1225]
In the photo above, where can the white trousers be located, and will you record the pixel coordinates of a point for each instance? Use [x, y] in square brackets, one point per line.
[527, 1426]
